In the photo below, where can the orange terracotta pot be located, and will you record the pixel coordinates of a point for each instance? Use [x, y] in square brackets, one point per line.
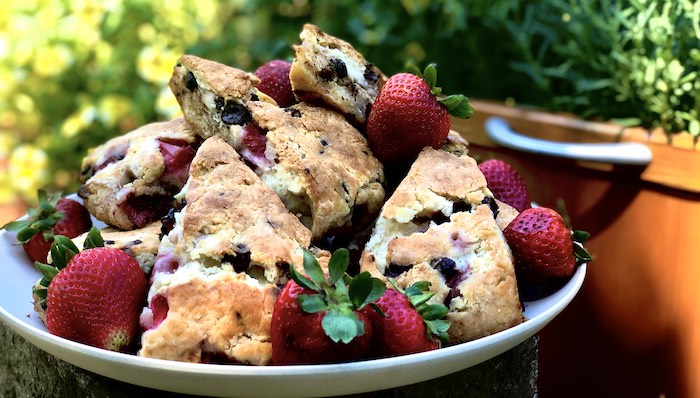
[634, 328]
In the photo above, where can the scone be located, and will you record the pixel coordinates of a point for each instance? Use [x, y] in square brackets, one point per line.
[330, 72]
[213, 96]
[316, 161]
[129, 181]
[442, 225]
[141, 243]
[216, 277]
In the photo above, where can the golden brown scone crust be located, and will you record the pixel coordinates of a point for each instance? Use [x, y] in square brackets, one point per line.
[436, 212]
[141, 243]
[232, 243]
[205, 88]
[320, 166]
[315, 77]
[134, 166]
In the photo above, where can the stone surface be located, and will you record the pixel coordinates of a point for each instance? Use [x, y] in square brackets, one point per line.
[26, 371]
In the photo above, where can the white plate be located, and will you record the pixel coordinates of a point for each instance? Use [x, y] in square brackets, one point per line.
[16, 310]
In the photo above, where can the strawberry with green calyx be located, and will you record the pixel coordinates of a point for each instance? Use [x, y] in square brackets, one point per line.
[545, 250]
[53, 216]
[93, 296]
[411, 113]
[318, 319]
[404, 322]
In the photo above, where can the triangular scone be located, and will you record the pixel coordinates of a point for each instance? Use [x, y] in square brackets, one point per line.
[213, 96]
[216, 277]
[316, 161]
[329, 71]
[439, 226]
[130, 180]
[320, 166]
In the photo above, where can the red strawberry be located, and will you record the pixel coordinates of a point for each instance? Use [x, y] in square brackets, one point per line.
[318, 319]
[544, 249]
[54, 216]
[506, 183]
[408, 115]
[96, 298]
[406, 323]
[274, 81]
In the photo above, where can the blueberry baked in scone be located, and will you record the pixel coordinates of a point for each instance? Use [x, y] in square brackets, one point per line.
[329, 71]
[319, 165]
[141, 243]
[441, 224]
[216, 277]
[129, 181]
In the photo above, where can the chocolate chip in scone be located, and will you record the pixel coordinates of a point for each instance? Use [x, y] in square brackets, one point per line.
[191, 82]
[341, 70]
[492, 205]
[461, 206]
[254, 97]
[235, 113]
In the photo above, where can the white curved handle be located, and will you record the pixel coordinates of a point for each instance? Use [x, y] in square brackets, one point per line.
[630, 153]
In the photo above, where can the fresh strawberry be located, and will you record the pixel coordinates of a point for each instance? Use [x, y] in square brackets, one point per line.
[94, 296]
[410, 113]
[318, 319]
[546, 251]
[506, 183]
[405, 323]
[54, 216]
[274, 81]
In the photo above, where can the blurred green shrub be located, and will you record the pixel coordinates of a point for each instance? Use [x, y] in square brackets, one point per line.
[75, 73]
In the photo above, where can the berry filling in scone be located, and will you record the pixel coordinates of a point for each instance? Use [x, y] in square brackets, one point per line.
[129, 182]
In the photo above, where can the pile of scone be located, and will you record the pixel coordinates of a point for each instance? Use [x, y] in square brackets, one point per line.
[218, 204]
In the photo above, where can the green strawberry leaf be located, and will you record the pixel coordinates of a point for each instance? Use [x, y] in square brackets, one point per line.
[93, 239]
[581, 253]
[580, 236]
[438, 328]
[378, 310]
[42, 293]
[312, 303]
[433, 312]
[458, 106]
[47, 271]
[302, 281]
[313, 270]
[414, 70]
[17, 225]
[338, 264]
[62, 250]
[420, 299]
[342, 327]
[430, 75]
[25, 234]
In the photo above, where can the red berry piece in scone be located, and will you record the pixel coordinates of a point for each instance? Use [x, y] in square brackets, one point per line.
[130, 181]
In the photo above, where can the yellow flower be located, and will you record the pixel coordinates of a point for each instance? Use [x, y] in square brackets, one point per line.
[76, 122]
[52, 60]
[7, 142]
[28, 169]
[167, 105]
[155, 64]
[112, 108]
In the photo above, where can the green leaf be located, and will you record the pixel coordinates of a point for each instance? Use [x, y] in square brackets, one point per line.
[42, 293]
[433, 312]
[378, 310]
[413, 69]
[580, 236]
[360, 288]
[313, 269]
[458, 106]
[420, 299]
[438, 328]
[302, 280]
[312, 303]
[430, 75]
[342, 327]
[581, 253]
[62, 250]
[16, 225]
[338, 264]
[47, 271]
[25, 234]
[93, 239]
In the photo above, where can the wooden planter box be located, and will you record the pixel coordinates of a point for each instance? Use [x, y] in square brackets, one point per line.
[634, 328]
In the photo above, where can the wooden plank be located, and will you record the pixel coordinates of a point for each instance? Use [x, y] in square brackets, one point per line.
[676, 159]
